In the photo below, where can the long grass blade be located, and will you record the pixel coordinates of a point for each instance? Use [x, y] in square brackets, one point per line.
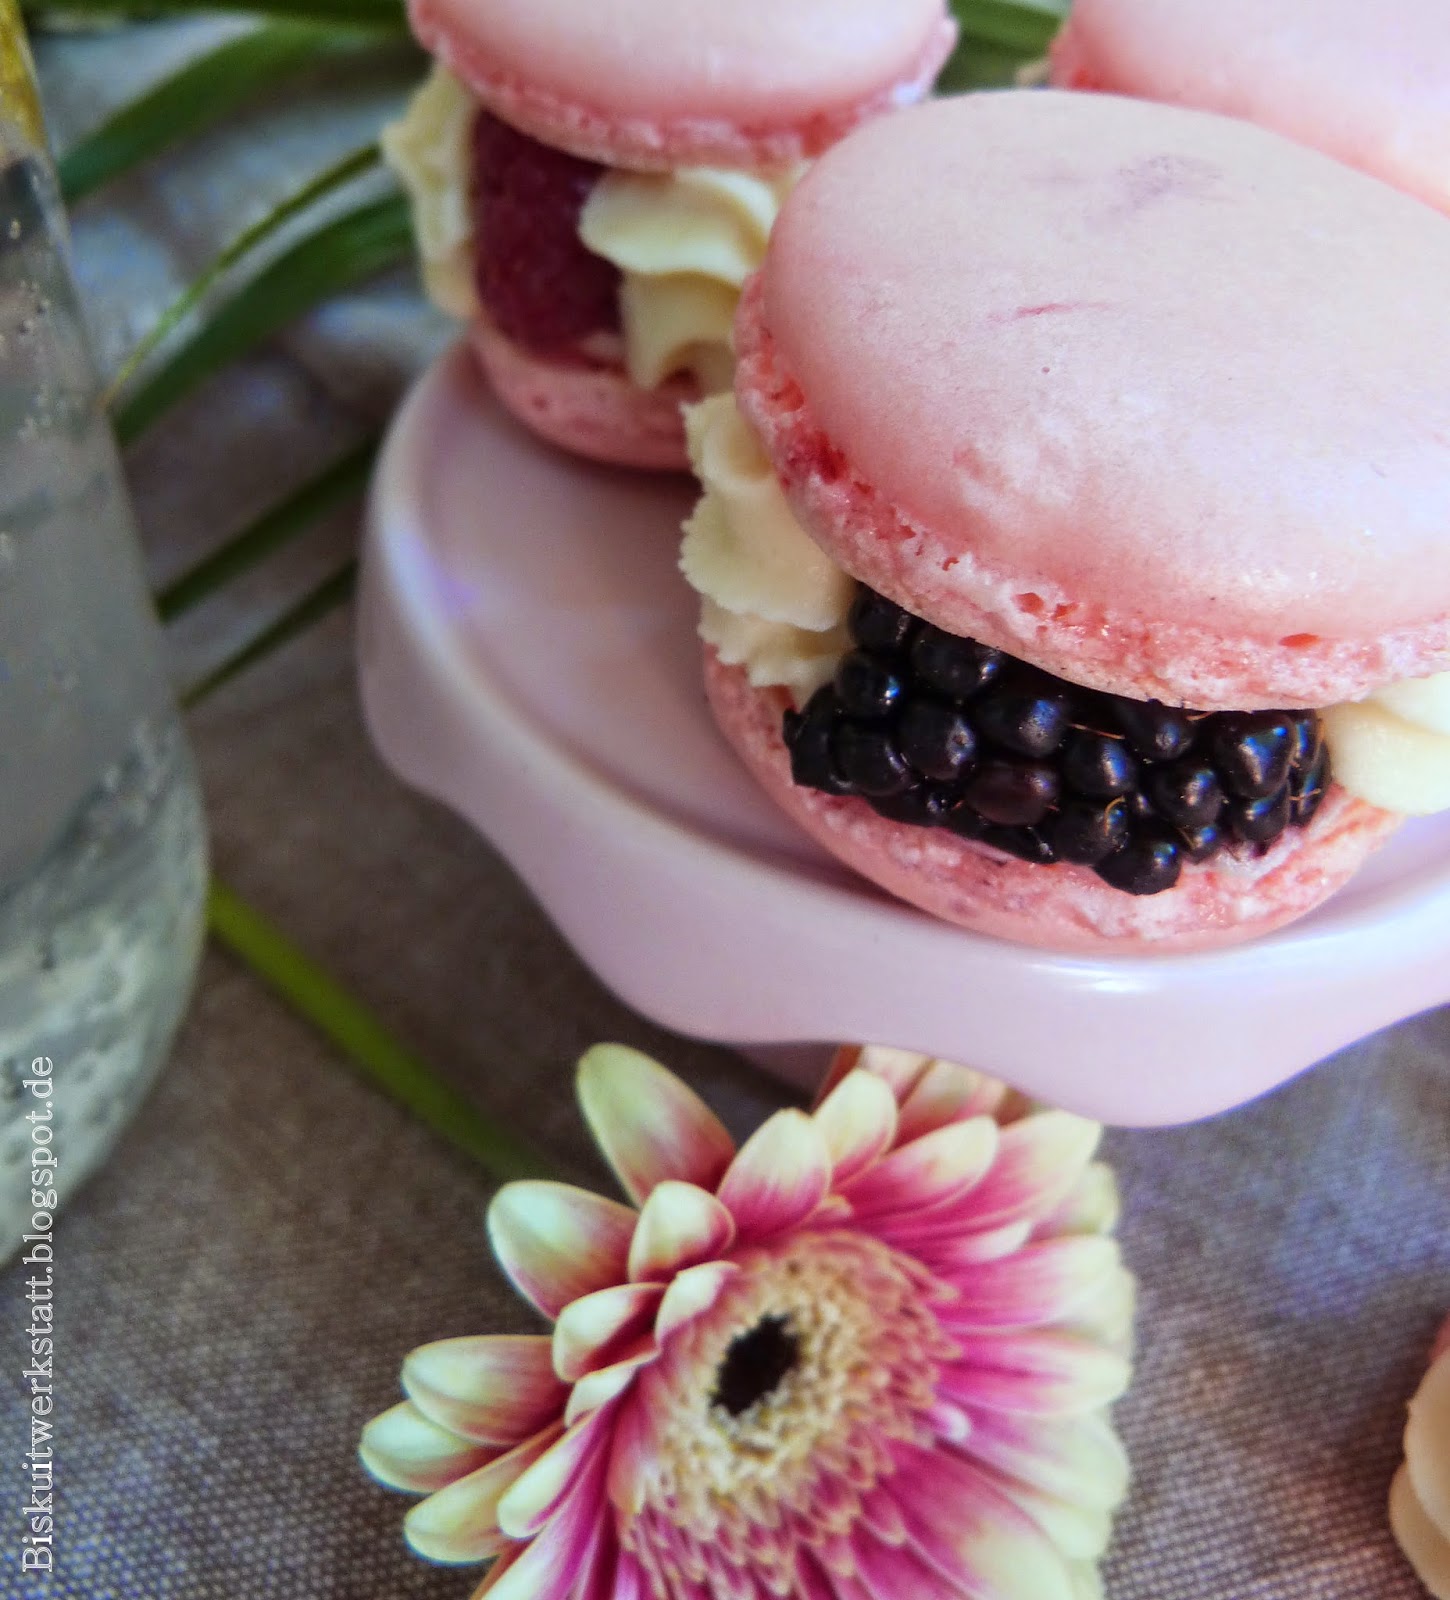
[347, 251]
[199, 94]
[368, 1046]
[327, 596]
[270, 532]
[325, 183]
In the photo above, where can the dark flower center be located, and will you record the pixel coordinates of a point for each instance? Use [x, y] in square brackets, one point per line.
[754, 1364]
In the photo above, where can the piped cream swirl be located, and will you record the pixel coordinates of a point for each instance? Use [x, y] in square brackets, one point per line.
[429, 149]
[1393, 749]
[773, 601]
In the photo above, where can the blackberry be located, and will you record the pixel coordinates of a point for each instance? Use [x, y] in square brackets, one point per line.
[936, 731]
[1155, 732]
[539, 284]
[879, 624]
[924, 805]
[867, 686]
[1087, 830]
[808, 737]
[868, 760]
[1148, 863]
[1027, 844]
[957, 668]
[1188, 793]
[1013, 793]
[1097, 766]
[936, 739]
[1254, 750]
[1261, 821]
[1307, 787]
[1023, 718]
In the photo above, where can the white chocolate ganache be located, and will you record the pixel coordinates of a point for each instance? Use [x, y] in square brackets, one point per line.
[1420, 1493]
[774, 603]
[684, 241]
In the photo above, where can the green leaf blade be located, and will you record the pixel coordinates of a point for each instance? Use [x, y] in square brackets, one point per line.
[200, 94]
[326, 597]
[358, 1034]
[270, 532]
[346, 252]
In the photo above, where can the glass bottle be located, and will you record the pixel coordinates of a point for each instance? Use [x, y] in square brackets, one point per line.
[102, 848]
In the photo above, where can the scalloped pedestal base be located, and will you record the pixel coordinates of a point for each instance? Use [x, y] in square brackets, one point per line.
[528, 655]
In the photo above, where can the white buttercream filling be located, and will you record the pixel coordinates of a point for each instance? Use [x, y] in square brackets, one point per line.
[429, 149]
[683, 241]
[775, 603]
[1420, 1494]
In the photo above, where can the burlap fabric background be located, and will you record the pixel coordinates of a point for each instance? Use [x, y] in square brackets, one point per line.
[237, 1289]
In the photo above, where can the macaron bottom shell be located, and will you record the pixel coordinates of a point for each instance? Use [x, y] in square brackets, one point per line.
[594, 411]
[1057, 907]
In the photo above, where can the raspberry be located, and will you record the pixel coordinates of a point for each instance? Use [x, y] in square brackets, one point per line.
[536, 280]
[937, 731]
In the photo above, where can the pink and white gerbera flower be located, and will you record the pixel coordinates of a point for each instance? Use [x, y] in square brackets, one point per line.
[866, 1357]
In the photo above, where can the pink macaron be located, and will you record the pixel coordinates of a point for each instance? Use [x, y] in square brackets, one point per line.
[1132, 426]
[1367, 84]
[567, 94]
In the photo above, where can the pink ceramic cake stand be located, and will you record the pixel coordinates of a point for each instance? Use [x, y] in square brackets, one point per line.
[528, 656]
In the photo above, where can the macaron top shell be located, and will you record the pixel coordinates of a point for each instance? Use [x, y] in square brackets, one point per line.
[1366, 83]
[646, 82]
[1151, 397]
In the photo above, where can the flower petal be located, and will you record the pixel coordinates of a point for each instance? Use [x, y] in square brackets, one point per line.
[490, 1388]
[691, 1295]
[1039, 1164]
[596, 1389]
[679, 1226]
[1087, 1583]
[649, 1125]
[590, 1332]
[945, 1093]
[497, 1571]
[1078, 1459]
[1424, 1546]
[550, 1566]
[858, 1122]
[1426, 1431]
[779, 1178]
[631, 1453]
[1038, 1373]
[600, 1580]
[948, 1246]
[537, 1493]
[557, 1242]
[897, 1069]
[460, 1523]
[930, 1171]
[1042, 1283]
[404, 1450]
[1078, 1532]
[1108, 1315]
[1093, 1206]
[968, 1529]
[901, 1069]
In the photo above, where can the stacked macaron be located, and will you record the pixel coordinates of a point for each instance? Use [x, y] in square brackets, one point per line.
[1367, 84]
[592, 184]
[1079, 492]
